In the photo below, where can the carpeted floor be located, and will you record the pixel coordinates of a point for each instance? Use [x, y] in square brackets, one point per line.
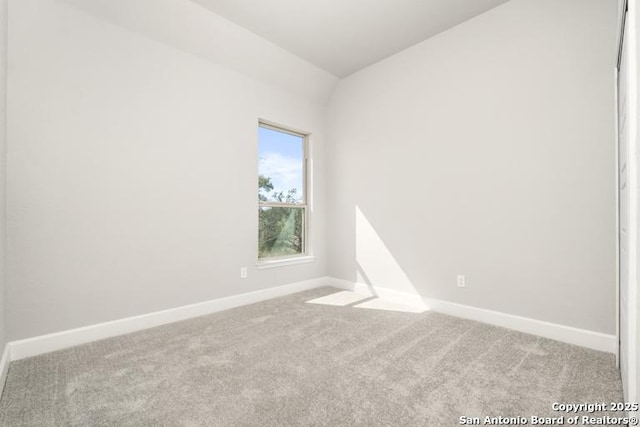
[286, 362]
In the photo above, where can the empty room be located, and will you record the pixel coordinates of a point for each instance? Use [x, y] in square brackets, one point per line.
[319, 212]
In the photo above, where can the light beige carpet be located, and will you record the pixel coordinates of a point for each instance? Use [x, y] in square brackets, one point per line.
[286, 362]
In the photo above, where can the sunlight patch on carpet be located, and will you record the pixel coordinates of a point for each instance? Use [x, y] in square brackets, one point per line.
[360, 300]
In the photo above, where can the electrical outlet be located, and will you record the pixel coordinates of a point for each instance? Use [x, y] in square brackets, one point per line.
[460, 281]
[243, 272]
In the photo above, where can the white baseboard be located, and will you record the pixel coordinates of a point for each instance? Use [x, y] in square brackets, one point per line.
[582, 337]
[568, 334]
[16, 350]
[60, 340]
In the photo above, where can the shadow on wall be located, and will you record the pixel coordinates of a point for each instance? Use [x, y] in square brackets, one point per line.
[381, 282]
[377, 267]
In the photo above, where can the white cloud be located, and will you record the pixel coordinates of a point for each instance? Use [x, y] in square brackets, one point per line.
[285, 172]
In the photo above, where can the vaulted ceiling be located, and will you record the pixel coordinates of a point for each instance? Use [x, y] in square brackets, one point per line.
[343, 36]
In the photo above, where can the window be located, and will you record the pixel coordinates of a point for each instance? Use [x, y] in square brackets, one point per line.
[282, 193]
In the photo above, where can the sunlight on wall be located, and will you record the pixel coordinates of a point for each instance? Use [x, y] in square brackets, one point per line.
[381, 282]
[377, 266]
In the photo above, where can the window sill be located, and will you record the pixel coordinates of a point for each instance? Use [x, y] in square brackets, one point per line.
[285, 261]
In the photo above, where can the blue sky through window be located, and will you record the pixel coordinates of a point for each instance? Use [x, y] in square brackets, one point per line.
[280, 158]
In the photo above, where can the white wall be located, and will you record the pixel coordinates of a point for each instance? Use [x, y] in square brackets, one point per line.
[3, 146]
[133, 167]
[192, 28]
[488, 151]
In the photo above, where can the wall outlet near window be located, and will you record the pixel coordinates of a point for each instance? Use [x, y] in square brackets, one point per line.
[460, 281]
[243, 272]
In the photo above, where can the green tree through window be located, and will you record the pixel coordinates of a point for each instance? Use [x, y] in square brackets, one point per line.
[281, 193]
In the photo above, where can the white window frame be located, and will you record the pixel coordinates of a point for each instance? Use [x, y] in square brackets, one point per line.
[305, 256]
